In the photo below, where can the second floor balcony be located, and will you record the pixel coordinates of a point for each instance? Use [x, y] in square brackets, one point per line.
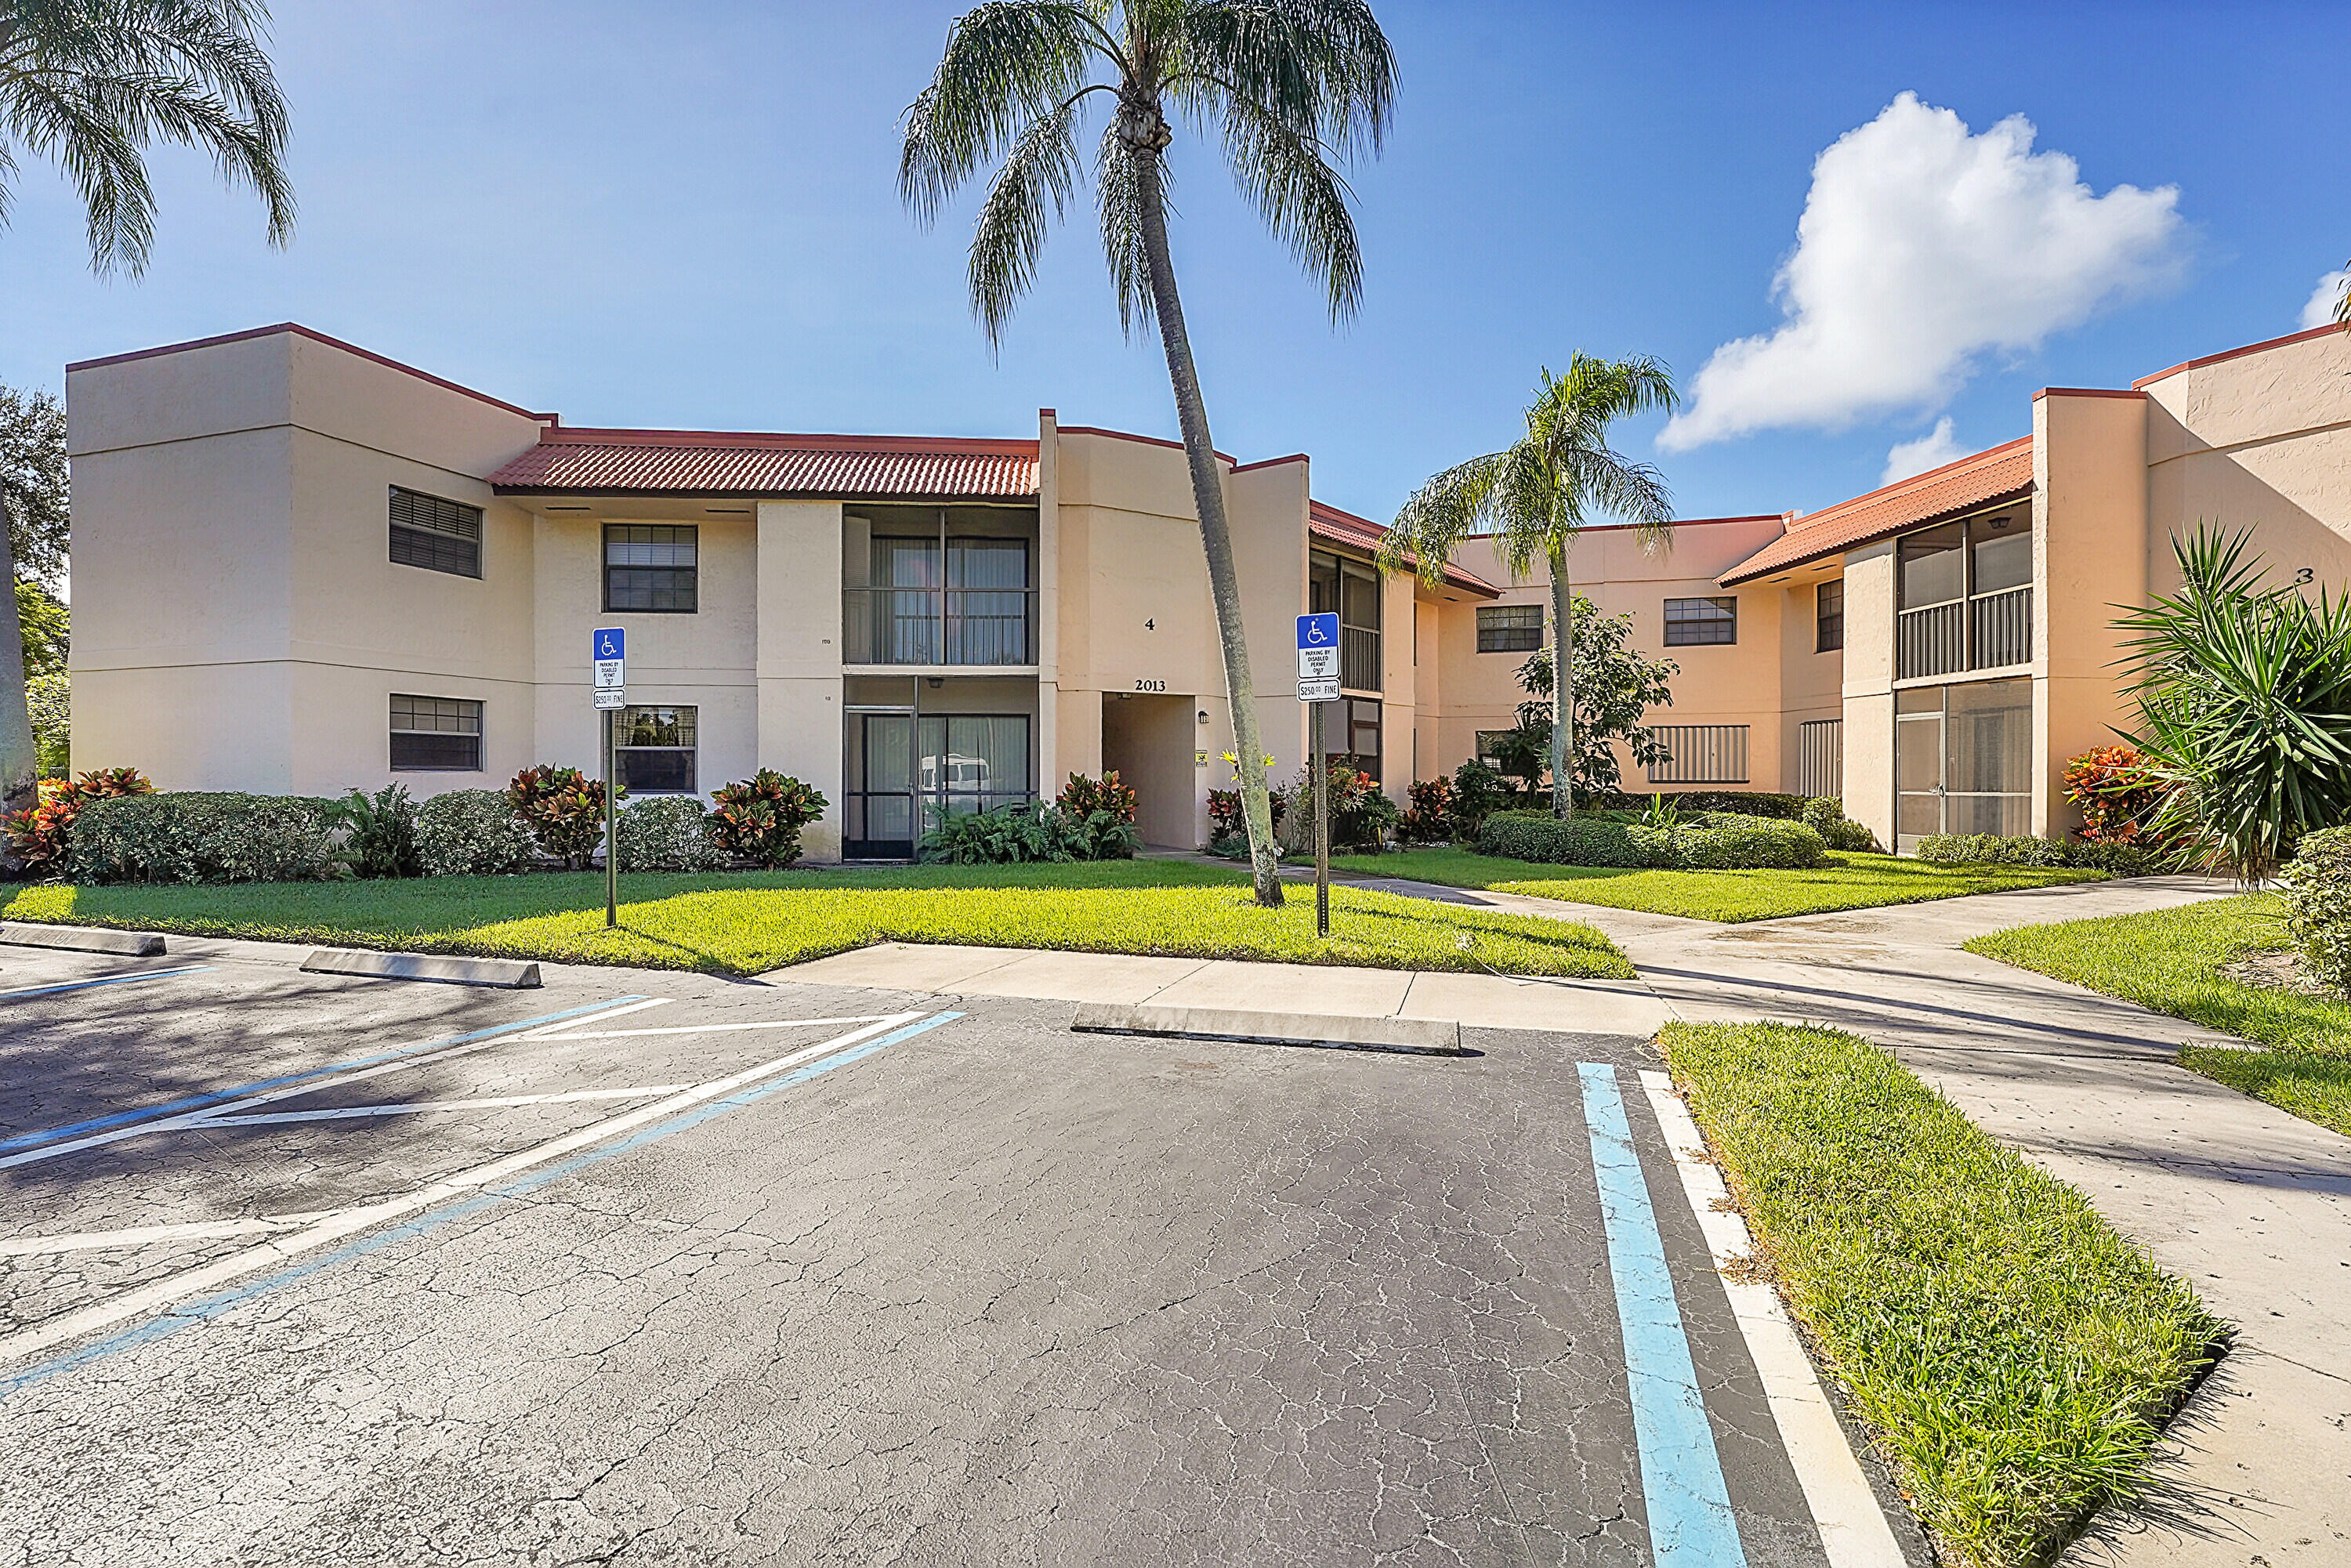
[1967, 597]
[939, 626]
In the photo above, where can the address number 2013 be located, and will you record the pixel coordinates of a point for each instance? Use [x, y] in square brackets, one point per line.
[1151, 686]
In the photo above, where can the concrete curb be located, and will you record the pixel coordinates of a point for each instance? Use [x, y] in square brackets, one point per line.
[1422, 1037]
[84, 939]
[512, 974]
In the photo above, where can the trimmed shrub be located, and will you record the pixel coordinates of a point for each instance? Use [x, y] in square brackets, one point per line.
[1824, 814]
[1430, 816]
[759, 819]
[564, 809]
[1743, 803]
[380, 832]
[1478, 791]
[2317, 888]
[1710, 840]
[666, 832]
[472, 833]
[202, 836]
[40, 835]
[1993, 849]
[1362, 815]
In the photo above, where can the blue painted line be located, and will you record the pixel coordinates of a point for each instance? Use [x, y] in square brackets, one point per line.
[214, 1097]
[177, 1318]
[109, 980]
[1690, 1521]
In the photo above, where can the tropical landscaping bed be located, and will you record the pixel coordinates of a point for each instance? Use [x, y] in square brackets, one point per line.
[2190, 962]
[747, 922]
[2012, 1356]
[1851, 880]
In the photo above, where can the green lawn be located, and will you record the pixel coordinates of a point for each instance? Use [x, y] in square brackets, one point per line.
[2169, 959]
[1846, 882]
[2014, 1356]
[743, 923]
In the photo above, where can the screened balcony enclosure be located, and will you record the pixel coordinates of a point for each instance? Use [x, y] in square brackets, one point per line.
[940, 587]
[1966, 596]
[1352, 588]
[1963, 760]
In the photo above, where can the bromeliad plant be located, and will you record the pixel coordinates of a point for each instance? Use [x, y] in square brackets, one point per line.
[2244, 699]
[759, 819]
[564, 809]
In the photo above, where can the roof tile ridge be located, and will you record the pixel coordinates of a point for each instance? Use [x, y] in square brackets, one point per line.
[789, 441]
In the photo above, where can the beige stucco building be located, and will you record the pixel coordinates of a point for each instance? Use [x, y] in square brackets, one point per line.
[301, 568]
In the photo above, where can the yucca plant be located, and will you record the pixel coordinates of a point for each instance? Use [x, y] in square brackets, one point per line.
[2244, 699]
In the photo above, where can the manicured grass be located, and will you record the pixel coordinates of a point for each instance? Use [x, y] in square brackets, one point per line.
[2169, 959]
[1846, 882]
[2013, 1356]
[744, 923]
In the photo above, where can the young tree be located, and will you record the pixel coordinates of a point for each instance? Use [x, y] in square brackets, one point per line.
[1615, 685]
[1536, 495]
[1286, 83]
[32, 509]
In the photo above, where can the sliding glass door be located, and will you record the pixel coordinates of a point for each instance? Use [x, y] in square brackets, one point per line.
[1962, 760]
[904, 769]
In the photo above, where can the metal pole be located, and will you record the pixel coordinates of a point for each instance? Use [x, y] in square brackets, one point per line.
[612, 845]
[1321, 828]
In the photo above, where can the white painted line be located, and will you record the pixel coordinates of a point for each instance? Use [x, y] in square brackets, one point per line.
[147, 1235]
[343, 1113]
[351, 1222]
[1853, 1527]
[309, 1086]
[604, 1017]
[560, 1033]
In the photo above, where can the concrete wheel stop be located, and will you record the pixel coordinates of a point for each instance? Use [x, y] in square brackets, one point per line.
[1419, 1037]
[512, 974]
[85, 939]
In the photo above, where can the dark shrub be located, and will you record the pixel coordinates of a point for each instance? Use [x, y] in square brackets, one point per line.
[1023, 833]
[1478, 791]
[472, 833]
[1430, 816]
[759, 819]
[40, 835]
[200, 836]
[380, 832]
[1712, 841]
[667, 832]
[564, 809]
[1082, 797]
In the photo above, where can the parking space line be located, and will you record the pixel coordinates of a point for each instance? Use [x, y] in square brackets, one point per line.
[102, 981]
[149, 1235]
[344, 1112]
[568, 1034]
[1853, 1526]
[736, 1088]
[1691, 1524]
[100, 1130]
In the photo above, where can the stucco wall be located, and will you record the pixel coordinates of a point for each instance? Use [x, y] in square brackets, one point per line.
[1869, 688]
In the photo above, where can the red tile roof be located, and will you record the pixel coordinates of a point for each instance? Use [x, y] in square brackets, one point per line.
[721, 462]
[2001, 474]
[1334, 527]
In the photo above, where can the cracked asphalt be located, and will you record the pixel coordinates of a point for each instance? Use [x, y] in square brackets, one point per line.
[996, 1292]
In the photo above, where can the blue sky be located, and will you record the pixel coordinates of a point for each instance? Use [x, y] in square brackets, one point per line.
[697, 225]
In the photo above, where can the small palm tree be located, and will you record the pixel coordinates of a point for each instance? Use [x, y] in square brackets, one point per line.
[1535, 497]
[1286, 83]
[92, 84]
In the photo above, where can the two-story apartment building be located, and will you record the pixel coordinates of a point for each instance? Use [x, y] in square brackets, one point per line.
[299, 567]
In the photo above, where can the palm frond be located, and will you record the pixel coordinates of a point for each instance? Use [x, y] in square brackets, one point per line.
[1283, 173]
[1119, 196]
[1040, 172]
[1321, 69]
[1435, 518]
[1008, 63]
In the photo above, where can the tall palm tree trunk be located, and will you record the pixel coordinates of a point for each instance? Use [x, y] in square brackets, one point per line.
[1215, 534]
[1563, 686]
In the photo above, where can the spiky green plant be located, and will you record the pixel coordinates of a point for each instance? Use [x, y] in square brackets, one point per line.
[1536, 495]
[2245, 702]
[1288, 85]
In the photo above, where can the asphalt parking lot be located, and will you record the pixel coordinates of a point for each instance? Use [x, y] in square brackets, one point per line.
[659, 1268]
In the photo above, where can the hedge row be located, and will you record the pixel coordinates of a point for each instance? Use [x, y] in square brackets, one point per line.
[1963, 849]
[1711, 841]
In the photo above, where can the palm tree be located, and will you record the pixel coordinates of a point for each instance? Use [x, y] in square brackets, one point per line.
[1535, 497]
[1286, 83]
[92, 84]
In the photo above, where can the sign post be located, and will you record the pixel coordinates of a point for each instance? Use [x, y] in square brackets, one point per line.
[1318, 686]
[607, 658]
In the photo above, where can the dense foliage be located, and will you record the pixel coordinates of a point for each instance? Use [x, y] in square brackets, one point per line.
[380, 832]
[204, 836]
[1083, 797]
[39, 835]
[1429, 819]
[2244, 700]
[2317, 887]
[1710, 840]
[1616, 687]
[564, 809]
[472, 833]
[1025, 831]
[2118, 792]
[667, 832]
[1362, 815]
[1478, 791]
[1992, 849]
[759, 819]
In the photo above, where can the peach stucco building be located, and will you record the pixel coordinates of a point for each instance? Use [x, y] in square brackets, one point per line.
[301, 568]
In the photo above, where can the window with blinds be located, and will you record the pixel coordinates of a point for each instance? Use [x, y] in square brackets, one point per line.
[435, 533]
[655, 749]
[652, 567]
[1698, 623]
[435, 734]
[1510, 628]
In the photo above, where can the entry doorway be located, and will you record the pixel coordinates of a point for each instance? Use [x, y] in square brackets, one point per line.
[1962, 760]
[1149, 742]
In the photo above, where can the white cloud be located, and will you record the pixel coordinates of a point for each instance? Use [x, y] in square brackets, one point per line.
[1921, 247]
[2320, 309]
[1932, 450]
